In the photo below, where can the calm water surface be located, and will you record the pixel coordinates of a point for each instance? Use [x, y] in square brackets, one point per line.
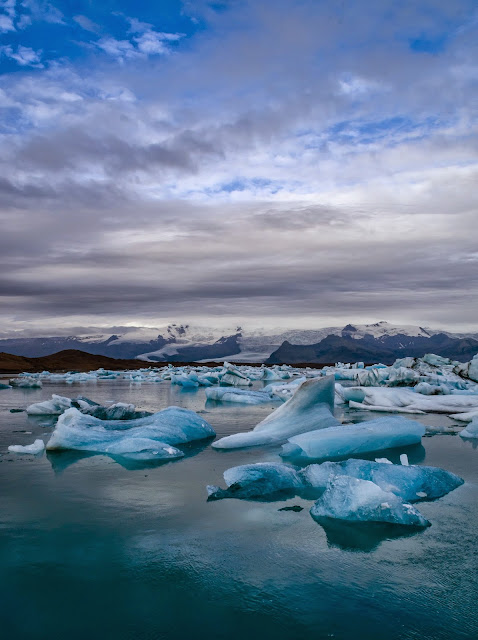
[90, 548]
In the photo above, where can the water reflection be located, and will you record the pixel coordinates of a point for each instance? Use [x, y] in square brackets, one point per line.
[362, 536]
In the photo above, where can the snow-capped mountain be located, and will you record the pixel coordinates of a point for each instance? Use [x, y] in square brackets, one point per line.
[186, 343]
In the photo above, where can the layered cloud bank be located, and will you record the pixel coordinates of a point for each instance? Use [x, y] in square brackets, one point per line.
[236, 159]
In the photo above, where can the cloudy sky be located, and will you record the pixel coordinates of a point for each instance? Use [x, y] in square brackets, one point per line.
[295, 163]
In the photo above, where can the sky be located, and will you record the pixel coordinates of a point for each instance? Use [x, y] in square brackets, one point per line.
[293, 163]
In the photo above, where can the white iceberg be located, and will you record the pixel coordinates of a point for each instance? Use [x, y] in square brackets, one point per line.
[309, 408]
[238, 396]
[25, 383]
[411, 483]
[352, 439]
[471, 430]
[54, 407]
[37, 447]
[407, 401]
[151, 436]
[256, 480]
[355, 500]
[264, 479]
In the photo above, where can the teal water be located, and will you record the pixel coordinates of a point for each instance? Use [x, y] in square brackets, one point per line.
[93, 549]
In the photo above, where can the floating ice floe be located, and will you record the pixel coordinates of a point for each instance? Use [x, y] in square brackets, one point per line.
[309, 408]
[355, 500]
[238, 396]
[37, 447]
[408, 401]
[471, 430]
[352, 439]
[233, 377]
[264, 479]
[145, 438]
[59, 404]
[5, 386]
[25, 383]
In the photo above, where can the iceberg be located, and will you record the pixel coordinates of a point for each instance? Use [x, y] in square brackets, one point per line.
[408, 401]
[355, 500]
[264, 479]
[149, 438]
[309, 408]
[54, 407]
[25, 383]
[239, 396]
[231, 376]
[256, 481]
[471, 430]
[411, 483]
[352, 439]
[37, 447]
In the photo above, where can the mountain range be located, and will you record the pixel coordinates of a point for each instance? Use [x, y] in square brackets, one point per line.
[381, 341]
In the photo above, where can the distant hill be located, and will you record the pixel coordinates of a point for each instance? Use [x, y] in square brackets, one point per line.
[68, 360]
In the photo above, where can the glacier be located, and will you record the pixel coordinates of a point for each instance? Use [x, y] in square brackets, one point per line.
[309, 408]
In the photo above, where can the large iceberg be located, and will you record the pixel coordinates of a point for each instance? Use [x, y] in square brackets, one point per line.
[355, 500]
[309, 408]
[266, 479]
[352, 439]
[54, 407]
[145, 438]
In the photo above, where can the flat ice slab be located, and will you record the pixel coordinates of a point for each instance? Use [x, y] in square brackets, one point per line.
[357, 500]
[237, 396]
[352, 439]
[309, 408]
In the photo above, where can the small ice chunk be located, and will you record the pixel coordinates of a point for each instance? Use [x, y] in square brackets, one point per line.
[37, 447]
[404, 459]
[256, 480]
[471, 430]
[383, 460]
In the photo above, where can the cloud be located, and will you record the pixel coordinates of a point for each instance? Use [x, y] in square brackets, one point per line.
[24, 56]
[296, 165]
[87, 24]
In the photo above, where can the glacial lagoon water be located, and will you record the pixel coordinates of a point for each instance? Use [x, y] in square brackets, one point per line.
[91, 548]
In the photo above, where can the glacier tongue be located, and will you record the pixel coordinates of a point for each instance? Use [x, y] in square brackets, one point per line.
[355, 500]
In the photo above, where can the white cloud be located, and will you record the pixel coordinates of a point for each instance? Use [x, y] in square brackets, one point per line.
[24, 56]
[87, 24]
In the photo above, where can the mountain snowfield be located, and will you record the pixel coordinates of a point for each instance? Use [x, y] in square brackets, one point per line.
[186, 342]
